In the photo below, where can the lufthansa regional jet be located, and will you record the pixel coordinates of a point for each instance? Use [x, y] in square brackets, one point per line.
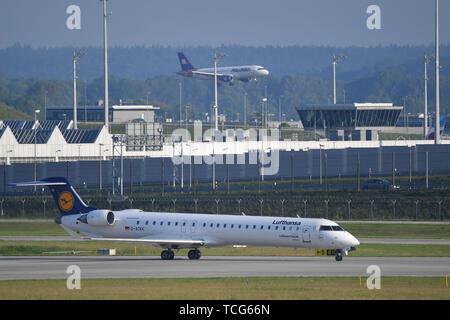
[224, 74]
[172, 231]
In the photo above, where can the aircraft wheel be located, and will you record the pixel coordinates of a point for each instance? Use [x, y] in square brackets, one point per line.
[165, 255]
[339, 256]
[172, 255]
[194, 254]
[191, 254]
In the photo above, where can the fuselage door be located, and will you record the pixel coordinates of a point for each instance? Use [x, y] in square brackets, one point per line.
[306, 234]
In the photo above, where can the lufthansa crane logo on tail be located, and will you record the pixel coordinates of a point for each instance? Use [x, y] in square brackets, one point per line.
[65, 201]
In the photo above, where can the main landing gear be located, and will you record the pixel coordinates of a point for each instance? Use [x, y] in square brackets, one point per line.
[168, 254]
[194, 254]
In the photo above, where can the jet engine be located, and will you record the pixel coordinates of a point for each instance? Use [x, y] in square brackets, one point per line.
[98, 218]
[227, 78]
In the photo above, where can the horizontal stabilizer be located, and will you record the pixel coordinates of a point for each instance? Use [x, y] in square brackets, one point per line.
[36, 183]
[67, 199]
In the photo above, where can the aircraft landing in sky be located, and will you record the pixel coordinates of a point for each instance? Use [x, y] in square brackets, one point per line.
[224, 74]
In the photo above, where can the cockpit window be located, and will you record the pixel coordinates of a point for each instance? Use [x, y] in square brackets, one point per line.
[330, 228]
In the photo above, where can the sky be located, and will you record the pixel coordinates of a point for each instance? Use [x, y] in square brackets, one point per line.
[339, 23]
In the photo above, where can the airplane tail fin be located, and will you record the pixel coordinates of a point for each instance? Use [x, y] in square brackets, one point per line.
[431, 133]
[67, 199]
[184, 62]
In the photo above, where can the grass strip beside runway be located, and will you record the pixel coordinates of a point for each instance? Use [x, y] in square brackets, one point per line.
[260, 288]
[31, 229]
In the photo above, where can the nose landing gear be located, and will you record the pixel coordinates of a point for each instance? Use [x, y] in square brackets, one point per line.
[338, 255]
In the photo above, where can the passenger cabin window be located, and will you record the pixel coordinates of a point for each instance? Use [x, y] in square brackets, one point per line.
[204, 224]
[137, 222]
[154, 222]
[146, 222]
[161, 223]
[168, 223]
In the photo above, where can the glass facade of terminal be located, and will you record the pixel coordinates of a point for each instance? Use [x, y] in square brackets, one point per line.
[347, 118]
[89, 114]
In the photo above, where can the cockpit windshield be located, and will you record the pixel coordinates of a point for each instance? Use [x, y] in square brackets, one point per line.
[331, 228]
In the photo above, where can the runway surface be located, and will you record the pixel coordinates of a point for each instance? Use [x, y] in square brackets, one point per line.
[55, 267]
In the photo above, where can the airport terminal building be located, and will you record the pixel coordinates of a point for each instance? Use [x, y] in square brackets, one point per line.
[117, 114]
[354, 121]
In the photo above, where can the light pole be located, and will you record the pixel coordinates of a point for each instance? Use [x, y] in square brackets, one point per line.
[180, 88]
[45, 105]
[105, 54]
[279, 108]
[425, 114]
[336, 59]
[437, 137]
[216, 106]
[36, 112]
[76, 57]
[263, 100]
[320, 163]
[404, 111]
[245, 109]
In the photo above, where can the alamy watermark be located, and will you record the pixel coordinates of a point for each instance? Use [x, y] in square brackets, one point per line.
[260, 145]
[373, 22]
[374, 281]
[73, 21]
[74, 280]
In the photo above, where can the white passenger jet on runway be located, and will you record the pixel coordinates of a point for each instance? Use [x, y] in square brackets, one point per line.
[224, 74]
[181, 230]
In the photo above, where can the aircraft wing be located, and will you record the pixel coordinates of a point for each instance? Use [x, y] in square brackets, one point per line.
[156, 241]
[211, 74]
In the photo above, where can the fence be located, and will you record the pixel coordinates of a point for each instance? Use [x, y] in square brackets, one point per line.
[330, 208]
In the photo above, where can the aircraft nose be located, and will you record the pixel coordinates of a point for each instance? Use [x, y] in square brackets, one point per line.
[353, 241]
